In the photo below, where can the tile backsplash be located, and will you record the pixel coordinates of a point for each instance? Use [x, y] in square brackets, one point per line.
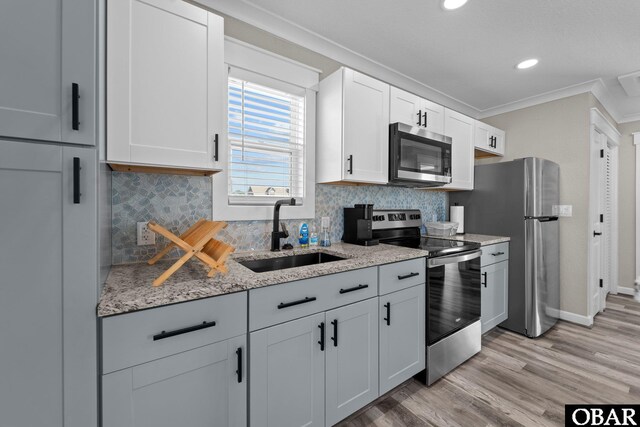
[176, 202]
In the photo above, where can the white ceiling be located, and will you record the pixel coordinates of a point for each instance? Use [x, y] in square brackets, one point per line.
[470, 54]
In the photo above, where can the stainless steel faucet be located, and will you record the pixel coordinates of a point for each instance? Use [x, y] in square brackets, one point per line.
[276, 234]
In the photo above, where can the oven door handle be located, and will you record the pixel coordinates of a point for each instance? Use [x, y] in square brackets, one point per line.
[454, 259]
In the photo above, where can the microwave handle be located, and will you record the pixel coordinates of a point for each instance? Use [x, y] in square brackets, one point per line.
[453, 259]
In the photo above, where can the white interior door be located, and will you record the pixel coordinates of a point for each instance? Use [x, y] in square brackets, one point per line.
[597, 293]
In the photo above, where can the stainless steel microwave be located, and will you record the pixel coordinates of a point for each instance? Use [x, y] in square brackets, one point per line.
[418, 157]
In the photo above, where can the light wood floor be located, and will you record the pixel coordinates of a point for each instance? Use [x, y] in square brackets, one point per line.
[520, 381]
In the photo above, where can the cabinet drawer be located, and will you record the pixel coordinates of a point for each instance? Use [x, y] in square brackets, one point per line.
[402, 275]
[280, 303]
[135, 338]
[494, 253]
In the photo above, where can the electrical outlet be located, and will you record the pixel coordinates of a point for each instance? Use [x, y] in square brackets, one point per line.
[563, 210]
[145, 236]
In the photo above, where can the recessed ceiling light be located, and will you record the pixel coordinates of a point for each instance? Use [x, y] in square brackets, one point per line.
[527, 63]
[452, 4]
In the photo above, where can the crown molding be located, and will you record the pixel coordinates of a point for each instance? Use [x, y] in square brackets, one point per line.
[258, 17]
[287, 30]
[630, 118]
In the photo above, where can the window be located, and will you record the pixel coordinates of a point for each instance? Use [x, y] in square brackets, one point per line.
[268, 150]
[266, 137]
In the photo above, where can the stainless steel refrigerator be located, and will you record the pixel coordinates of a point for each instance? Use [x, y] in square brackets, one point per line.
[516, 199]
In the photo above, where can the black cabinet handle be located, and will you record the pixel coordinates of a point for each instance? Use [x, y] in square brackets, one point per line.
[350, 159]
[497, 253]
[355, 288]
[334, 338]
[407, 276]
[75, 113]
[388, 318]
[76, 180]
[419, 118]
[239, 370]
[595, 233]
[484, 276]
[291, 304]
[425, 119]
[162, 335]
[321, 342]
[215, 148]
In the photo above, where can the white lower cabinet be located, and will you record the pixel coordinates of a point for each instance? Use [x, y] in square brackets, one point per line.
[402, 336]
[317, 370]
[287, 374]
[495, 286]
[203, 387]
[351, 358]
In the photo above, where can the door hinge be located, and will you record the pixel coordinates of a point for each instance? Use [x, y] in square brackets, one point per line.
[601, 218]
[602, 154]
[601, 283]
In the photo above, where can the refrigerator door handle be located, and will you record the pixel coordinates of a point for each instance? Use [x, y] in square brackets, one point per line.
[543, 218]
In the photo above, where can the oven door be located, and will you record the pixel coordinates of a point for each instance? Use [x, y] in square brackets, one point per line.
[418, 156]
[453, 291]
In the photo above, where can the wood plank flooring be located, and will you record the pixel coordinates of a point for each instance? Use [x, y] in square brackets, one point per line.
[517, 381]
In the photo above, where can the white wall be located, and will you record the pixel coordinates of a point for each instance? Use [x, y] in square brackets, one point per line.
[559, 131]
[627, 205]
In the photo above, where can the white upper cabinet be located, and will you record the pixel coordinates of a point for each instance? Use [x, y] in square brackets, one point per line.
[460, 128]
[353, 131]
[489, 140]
[410, 109]
[166, 84]
[48, 77]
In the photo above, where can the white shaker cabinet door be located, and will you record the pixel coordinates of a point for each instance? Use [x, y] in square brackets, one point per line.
[366, 130]
[48, 48]
[166, 84]
[460, 128]
[287, 374]
[352, 358]
[402, 336]
[48, 285]
[405, 107]
[197, 388]
[495, 295]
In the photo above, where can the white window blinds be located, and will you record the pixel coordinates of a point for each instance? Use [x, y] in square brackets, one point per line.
[266, 143]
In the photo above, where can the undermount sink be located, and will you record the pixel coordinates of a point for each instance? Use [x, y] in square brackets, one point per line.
[290, 261]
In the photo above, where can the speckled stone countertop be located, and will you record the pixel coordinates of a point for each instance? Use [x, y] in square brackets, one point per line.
[477, 238]
[128, 287]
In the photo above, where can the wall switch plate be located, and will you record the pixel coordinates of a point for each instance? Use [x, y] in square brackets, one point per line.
[324, 223]
[562, 210]
[145, 236]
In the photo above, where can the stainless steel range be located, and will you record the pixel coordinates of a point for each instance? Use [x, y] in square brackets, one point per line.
[453, 290]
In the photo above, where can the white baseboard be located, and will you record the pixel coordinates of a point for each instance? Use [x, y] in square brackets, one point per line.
[625, 291]
[576, 318]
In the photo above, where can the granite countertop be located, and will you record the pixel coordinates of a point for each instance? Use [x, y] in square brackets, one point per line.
[477, 238]
[128, 287]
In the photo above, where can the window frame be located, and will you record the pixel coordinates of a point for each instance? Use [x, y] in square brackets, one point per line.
[253, 64]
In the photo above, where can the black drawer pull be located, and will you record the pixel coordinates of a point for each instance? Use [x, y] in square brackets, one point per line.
[407, 276]
[334, 338]
[291, 304]
[321, 342]
[388, 318]
[162, 335]
[215, 148]
[484, 276]
[75, 97]
[355, 288]
[76, 180]
[239, 370]
[497, 253]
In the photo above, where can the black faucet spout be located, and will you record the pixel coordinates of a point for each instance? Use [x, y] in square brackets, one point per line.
[276, 234]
